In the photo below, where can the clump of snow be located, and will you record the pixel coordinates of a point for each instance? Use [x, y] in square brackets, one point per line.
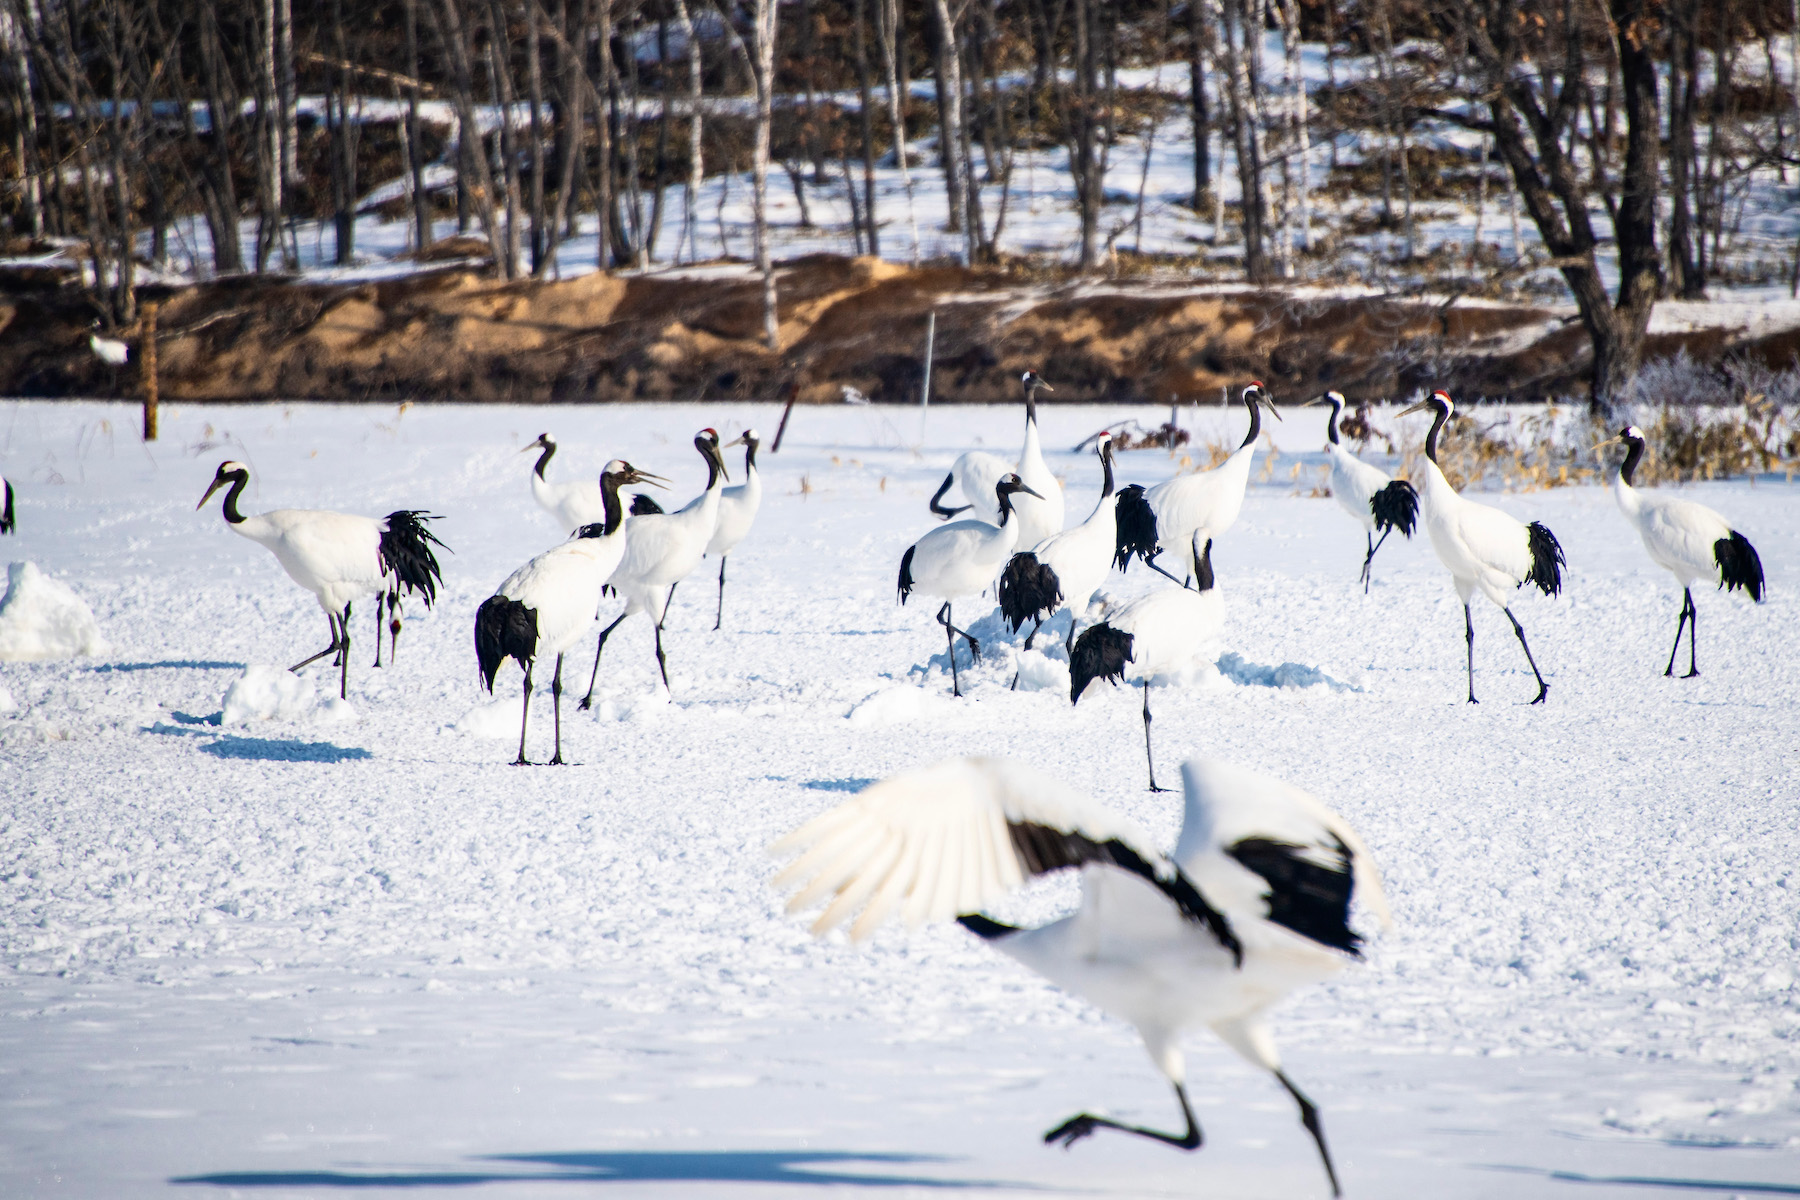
[1288, 675]
[337, 711]
[7, 704]
[42, 618]
[894, 706]
[1040, 673]
[264, 693]
[497, 719]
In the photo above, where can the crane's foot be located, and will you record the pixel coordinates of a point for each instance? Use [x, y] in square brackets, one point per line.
[521, 761]
[1691, 674]
[1543, 691]
[1073, 1130]
[557, 761]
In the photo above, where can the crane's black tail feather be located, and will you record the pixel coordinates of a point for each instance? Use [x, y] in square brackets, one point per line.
[643, 506]
[906, 579]
[1547, 559]
[1739, 566]
[1101, 652]
[1029, 590]
[406, 553]
[1396, 506]
[504, 628]
[1137, 527]
[6, 507]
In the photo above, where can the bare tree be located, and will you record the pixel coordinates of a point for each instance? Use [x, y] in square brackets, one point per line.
[763, 73]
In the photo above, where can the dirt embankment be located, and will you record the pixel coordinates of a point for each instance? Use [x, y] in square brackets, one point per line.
[455, 335]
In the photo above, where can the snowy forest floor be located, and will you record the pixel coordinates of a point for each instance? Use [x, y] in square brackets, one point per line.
[308, 956]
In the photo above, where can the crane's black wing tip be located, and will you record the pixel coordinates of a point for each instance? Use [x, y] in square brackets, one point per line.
[1739, 565]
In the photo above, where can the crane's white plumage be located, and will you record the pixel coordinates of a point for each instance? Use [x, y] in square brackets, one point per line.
[1483, 548]
[1158, 633]
[1191, 510]
[338, 557]
[738, 506]
[1688, 540]
[1373, 498]
[961, 559]
[571, 504]
[977, 473]
[1254, 903]
[547, 605]
[1067, 568]
[662, 549]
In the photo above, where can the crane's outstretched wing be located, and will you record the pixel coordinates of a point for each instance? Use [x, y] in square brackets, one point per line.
[1256, 843]
[949, 839]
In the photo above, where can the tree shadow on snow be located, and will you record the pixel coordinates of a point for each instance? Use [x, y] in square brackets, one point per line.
[810, 1167]
[1737, 1187]
[179, 664]
[275, 750]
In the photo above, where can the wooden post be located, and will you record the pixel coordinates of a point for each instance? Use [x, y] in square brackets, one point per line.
[925, 391]
[793, 392]
[147, 365]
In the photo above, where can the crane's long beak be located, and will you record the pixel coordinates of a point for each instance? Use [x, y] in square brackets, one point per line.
[1029, 492]
[217, 483]
[1317, 400]
[1598, 445]
[736, 441]
[1047, 388]
[646, 477]
[1421, 406]
[1270, 405]
[529, 447]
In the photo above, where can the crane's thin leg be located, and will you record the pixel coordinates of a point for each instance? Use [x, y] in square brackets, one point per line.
[1367, 558]
[344, 656]
[1368, 573]
[307, 662]
[587, 701]
[1693, 633]
[662, 661]
[524, 720]
[1083, 1124]
[556, 695]
[1469, 631]
[378, 599]
[1069, 642]
[393, 628]
[1151, 563]
[1543, 688]
[1309, 1117]
[719, 617]
[943, 618]
[670, 600]
[1148, 760]
[1687, 600]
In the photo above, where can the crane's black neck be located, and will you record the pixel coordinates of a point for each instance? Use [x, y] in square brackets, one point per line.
[544, 460]
[1331, 431]
[1106, 486]
[609, 499]
[1634, 454]
[750, 456]
[1437, 424]
[1030, 404]
[239, 481]
[1203, 569]
[1255, 421]
[1006, 506]
[712, 461]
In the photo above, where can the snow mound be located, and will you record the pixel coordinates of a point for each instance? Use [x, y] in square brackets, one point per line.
[265, 693]
[7, 703]
[42, 618]
[337, 711]
[1040, 673]
[894, 706]
[499, 719]
[1288, 675]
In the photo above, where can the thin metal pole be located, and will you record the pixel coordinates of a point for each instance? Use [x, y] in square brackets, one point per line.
[925, 392]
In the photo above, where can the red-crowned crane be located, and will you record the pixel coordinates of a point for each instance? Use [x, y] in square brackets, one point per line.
[662, 549]
[1688, 540]
[737, 512]
[546, 605]
[1065, 569]
[1154, 634]
[1372, 497]
[1254, 904]
[339, 558]
[977, 471]
[1191, 510]
[1482, 547]
[961, 559]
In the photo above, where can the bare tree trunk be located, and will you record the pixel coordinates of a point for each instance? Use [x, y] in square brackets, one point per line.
[14, 38]
[453, 36]
[690, 226]
[1247, 142]
[501, 93]
[1083, 123]
[1687, 279]
[534, 81]
[415, 155]
[765, 16]
[889, 28]
[343, 145]
[1198, 41]
[866, 117]
[950, 126]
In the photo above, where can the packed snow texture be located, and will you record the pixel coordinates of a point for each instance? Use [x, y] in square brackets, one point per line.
[291, 957]
[42, 618]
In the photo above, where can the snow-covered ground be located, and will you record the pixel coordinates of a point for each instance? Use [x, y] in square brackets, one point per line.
[351, 948]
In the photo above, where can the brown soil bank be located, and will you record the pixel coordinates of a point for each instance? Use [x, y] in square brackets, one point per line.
[455, 335]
